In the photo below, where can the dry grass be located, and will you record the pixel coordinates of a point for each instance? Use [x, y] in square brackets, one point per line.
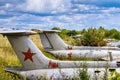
[7, 57]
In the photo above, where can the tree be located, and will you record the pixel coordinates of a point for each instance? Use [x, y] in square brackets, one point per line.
[72, 33]
[116, 35]
[56, 28]
[93, 37]
[113, 33]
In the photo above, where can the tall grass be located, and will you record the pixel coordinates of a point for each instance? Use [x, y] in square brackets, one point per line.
[7, 58]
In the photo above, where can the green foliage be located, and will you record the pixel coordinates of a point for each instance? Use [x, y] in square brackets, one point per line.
[116, 35]
[63, 33]
[115, 76]
[72, 33]
[49, 55]
[67, 35]
[93, 37]
[7, 58]
[6, 75]
[56, 28]
[113, 33]
[84, 75]
[105, 77]
[77, 42]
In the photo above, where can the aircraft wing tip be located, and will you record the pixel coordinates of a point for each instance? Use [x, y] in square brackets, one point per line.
[17, 32]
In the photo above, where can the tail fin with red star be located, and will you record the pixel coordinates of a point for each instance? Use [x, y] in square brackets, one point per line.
[51, 40]
[27, 52]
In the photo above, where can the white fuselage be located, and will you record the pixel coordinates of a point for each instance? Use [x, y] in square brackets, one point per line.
[94, 54]
[67, 73]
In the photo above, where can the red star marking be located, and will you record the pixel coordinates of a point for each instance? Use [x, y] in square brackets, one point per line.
[52, 64]
[69, 56]
[28, 55]
[69, 48]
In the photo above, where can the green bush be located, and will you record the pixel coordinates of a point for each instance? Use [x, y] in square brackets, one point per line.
[93, 37]
[115, 76]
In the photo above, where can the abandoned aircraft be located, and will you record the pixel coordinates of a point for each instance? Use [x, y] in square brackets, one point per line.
[36, 66]
[56, 46]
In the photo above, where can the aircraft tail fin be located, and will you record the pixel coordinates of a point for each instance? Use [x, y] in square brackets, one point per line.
[52, 41]
[27, 52]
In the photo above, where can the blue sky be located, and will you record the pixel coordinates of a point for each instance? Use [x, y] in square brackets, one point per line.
[67, 14]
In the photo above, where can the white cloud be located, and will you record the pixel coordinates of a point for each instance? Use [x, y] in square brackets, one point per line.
[77, 22]
[83, 7]
[2, 12]
[6, 6]
[45, 6]
[65, 18]
[73, 16]
[111, 10]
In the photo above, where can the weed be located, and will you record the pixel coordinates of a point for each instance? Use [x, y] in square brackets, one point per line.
[115, 76]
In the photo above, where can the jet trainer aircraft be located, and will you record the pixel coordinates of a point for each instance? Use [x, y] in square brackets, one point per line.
[36, 66]
[55, 45]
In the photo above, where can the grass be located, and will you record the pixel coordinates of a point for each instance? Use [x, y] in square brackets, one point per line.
[7, 58]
